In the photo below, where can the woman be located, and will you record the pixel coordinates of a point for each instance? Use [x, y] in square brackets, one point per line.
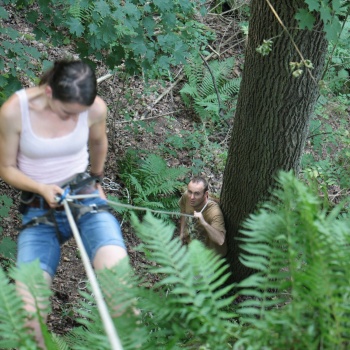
[45, 134]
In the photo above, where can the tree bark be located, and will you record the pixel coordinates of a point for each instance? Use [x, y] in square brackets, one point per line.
[272, 116]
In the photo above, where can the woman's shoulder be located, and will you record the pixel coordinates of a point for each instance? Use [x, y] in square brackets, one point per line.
[98, 110]
[11, 109]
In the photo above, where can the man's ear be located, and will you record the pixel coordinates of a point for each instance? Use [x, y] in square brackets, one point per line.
[206, 194]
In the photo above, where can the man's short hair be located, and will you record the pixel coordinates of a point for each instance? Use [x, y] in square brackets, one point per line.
[198, 179]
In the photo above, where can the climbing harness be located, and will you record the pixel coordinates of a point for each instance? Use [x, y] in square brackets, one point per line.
[81, 184]
[77, 189]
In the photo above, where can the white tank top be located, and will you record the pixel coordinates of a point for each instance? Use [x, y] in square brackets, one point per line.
[52, 160]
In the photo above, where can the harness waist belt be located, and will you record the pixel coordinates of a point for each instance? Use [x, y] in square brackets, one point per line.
[38, 202]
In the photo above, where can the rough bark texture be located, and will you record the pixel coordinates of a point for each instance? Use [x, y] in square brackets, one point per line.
[272, 116]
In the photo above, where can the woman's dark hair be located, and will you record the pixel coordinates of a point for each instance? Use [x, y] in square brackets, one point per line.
[71, 81]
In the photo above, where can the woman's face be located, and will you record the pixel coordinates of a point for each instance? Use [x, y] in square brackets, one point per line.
[67, 110]
[64, 110]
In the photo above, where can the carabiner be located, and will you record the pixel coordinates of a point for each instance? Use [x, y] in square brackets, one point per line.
[64, 195]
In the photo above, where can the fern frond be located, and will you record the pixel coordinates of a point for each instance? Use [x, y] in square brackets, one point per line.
[188, 92]
[12, 316]
[192, 278]
[206, 87]
[231, 87]
[31, 275]
[82, 10]
[200, 90]
[301, 270]
[151, 182]
[59, 342]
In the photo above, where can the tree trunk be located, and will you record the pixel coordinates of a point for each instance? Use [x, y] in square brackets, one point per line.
[272, 116]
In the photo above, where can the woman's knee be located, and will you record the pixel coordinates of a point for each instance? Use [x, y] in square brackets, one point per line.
[108, 256]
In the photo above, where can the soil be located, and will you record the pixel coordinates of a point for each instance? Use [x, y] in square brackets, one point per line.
[167, 115]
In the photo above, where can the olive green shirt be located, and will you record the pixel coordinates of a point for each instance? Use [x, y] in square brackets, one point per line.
[212, 214]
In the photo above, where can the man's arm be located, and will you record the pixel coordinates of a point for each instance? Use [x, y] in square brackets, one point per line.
[214, 234]
[183, 232]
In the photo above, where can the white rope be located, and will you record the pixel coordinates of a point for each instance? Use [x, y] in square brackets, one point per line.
[132, 207]
[129, 206]
[101, 305]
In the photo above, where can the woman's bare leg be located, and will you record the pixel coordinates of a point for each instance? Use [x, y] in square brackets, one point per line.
[29, 305]
[108, 256]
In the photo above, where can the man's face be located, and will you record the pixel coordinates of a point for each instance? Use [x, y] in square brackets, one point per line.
[196, 194]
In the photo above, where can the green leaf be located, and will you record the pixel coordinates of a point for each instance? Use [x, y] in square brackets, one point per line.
[8, 248]
[132, 10]
[3, 80]
[314, 5]
[12, 33]
[336, 5]
[169, 19]
[32, 16]
[149, 25]
[75, 26]
[164, 5]
[343, 74]
[103, 8]
[305, 18]
[3, 13]
[326, 14]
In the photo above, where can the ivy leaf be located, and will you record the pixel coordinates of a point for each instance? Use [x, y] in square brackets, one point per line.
[169, 19]
[336, 5]
[12, 33]
[179, 52]
[46, 65]
[305, 19]
[32, 16]
[326, 15]
[107, 30]
[132, 10]
[164, 5]
[93, 28]
[3, 13]
[3, 80]
[149, 25]
[343, 74]
[138, 46]
[103, 8]
[75, 27]
[314, 5]
[332, 30]
[32, 51]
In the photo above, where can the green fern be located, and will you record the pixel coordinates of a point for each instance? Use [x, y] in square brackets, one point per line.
[194, 304]
[12, 316]
[300, 296]
[200, 93]
[184, 307]
[150, 182]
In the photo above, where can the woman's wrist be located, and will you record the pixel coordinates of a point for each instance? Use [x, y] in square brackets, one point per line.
[98, 176]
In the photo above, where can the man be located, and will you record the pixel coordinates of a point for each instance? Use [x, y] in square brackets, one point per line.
[209, 226]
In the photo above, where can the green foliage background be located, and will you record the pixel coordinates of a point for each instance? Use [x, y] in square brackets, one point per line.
[297, 242]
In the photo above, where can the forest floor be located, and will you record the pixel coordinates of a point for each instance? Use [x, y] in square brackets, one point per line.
[169, 115]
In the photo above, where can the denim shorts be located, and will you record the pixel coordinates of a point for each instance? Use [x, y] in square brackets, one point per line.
[97, 229]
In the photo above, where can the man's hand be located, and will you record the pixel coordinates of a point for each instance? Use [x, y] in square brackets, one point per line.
[185, 238]
[198, 215]
[215, 235]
